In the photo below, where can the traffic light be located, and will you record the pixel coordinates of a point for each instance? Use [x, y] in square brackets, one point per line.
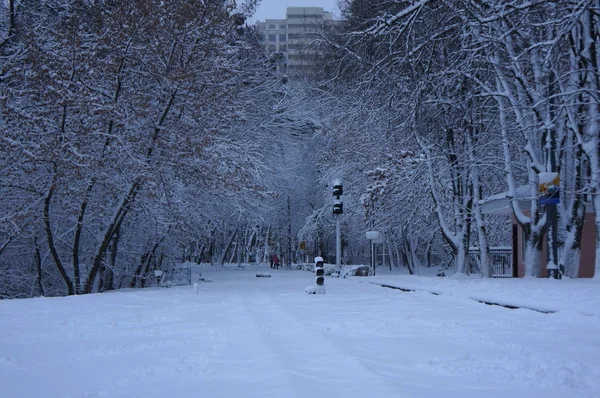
[319, 271]
[338, 210]
[319, 286]
[338, 207]
[338, 189]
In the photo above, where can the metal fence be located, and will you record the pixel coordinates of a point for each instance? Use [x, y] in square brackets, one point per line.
[500, 259]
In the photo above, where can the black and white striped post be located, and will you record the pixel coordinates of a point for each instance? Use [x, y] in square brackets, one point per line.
[319, 287]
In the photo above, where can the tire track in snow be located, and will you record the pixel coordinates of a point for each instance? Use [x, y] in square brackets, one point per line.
[259, 356]
[311, 360]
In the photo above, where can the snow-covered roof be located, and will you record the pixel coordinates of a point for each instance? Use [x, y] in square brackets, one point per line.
[500, 204]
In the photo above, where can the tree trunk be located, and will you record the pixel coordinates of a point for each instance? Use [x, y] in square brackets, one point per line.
[5, 245]
[389, 245]
[250, 244]
[149, 257]
[77, 238]
[408, 252]
[125, 204]
[38, 267]
[12, 27]
[458, 236]
[289, 246]
[51, 246]
[574, 217]
[114, 225]
[532, 225]
[108, 271]
[228, 246]
[240, 247]
[211, 246]
[146, 270]
[596, 203]
[201, 253]
[266, 251]
[428, 252]
[234, 251]
[484, 251]
[246, 252]
[138, 270]
[399, 255]
[533, 251]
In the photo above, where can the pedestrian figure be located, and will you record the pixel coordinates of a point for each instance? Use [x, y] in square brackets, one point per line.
[275, 261]
[271, 261]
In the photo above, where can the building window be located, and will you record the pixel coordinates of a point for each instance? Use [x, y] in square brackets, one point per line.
[281, 37]
[304, 16]
[302, 25]
[281, 26]
[272, 48]
[272, 26]
[282, 48]
[272, 37]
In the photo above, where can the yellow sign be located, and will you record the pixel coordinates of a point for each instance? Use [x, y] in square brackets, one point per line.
[549, 189]
[302, 245]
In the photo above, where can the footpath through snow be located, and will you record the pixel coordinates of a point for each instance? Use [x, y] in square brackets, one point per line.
[243, 336]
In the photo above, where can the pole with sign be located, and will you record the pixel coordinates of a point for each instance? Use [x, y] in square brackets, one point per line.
[549, 195]
[374, 237]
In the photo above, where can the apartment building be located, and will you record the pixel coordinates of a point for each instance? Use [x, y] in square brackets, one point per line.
[291, 37]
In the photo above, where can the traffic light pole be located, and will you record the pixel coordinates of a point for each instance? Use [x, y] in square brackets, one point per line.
[338, 242]
[338, 210]
[373, 257]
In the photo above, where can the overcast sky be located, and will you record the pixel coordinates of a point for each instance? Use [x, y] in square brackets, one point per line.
[275, 9]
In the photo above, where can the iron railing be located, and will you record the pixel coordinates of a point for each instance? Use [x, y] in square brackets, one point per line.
[500, 261]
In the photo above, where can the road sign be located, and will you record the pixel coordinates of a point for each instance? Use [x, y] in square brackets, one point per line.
[375, 236]
[549, 189]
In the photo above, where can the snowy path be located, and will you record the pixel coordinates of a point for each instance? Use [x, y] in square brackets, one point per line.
[313, 364]
[243, 336]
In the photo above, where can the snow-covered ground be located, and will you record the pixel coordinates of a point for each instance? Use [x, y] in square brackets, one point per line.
[243, 336]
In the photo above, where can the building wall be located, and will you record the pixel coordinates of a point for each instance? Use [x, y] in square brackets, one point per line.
[588, 249]
[274, 34]
[587, 264]
[289, 36]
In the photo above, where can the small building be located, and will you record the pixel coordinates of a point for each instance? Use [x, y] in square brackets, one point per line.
[500, 205]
